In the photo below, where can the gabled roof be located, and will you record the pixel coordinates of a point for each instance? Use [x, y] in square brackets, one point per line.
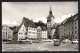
[63, 21]
[27, 23]
[72, 18]
[7, 26]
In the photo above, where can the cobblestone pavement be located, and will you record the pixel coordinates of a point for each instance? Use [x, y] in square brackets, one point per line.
[46, 46]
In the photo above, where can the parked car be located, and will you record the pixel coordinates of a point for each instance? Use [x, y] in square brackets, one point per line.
[74, 41]
[65, 40]
[57, 42]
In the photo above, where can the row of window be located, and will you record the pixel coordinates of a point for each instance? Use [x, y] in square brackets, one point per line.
[44, 38]
[76, 37]
[5, 26]
[32, 29]
[69, 28]
[33, 36]
[44, 33]
[7, 32]
[5, 29]
[69, 23]
[4, 36]
[22, 30]
[22, 33]
[9, 36]
[71, 33]
[33, 32]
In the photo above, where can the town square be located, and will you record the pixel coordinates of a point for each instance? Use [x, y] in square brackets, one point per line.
[30, 27]
[46, 46]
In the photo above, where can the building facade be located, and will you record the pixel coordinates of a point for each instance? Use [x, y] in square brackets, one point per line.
[32, 33]
[39, 33]
[44, 35]
[7, 33]
[69, 28]
[54, 29]
[50, 22]
[22, 33]
[27, 30]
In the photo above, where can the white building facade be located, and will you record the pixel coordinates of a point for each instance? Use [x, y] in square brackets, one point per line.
[39, 33]
[22, 33]
[44, 35]
[7, 33]
[32, 33]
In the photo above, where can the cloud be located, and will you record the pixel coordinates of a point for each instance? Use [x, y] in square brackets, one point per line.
[43, 19]
[58, 20]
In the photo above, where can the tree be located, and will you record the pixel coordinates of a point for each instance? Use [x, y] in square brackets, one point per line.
[40, 23]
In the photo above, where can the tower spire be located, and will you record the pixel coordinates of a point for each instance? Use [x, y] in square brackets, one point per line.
[50, 10]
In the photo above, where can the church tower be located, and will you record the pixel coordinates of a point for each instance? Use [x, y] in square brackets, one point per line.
[50, 22]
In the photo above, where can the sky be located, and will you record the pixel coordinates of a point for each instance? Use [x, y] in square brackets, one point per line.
[13, 12]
